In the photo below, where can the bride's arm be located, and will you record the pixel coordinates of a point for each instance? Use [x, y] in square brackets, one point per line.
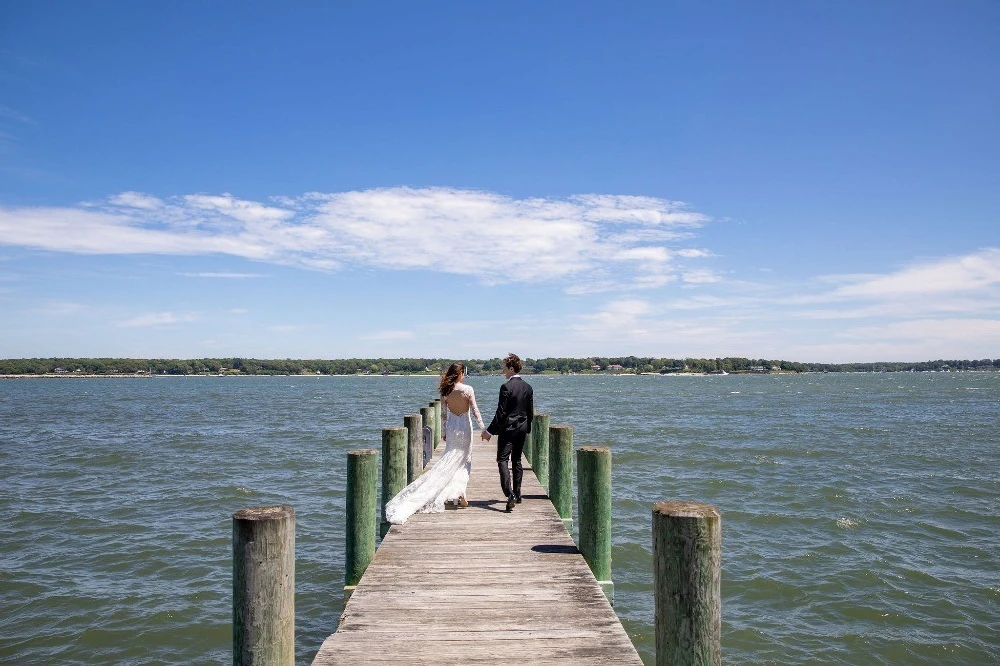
[444, 418]
[475, 409]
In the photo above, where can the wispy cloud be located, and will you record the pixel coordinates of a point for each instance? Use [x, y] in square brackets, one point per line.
[225, 276]
[389, 336]
[7, 142]
[7, 113]
[135, 200]
[59, 309]
[938, 307]
[950, 275]
[594, 242]
[157, 319]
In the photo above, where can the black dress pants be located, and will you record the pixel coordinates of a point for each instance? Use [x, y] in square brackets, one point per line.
[510, 446]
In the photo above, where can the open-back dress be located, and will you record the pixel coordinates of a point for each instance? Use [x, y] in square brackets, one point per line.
[447, 478]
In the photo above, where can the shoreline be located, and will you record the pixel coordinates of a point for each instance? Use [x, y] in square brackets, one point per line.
[540, 374]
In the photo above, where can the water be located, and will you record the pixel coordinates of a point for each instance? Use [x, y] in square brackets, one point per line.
[861, 512]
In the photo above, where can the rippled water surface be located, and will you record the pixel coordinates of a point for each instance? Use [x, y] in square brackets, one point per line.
[861, 512]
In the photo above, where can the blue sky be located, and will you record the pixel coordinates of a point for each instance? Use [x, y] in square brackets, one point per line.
[799, 180]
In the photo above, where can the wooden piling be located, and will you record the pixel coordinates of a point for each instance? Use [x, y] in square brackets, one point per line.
[593, 468]
[394, 443]
[540, 448]
[414, 424]
[264, 586]
[361, 515]
[561, 472]
[436, 404]
[427, 413]
[687, 570]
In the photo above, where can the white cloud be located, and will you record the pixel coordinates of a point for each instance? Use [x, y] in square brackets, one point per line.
[701, 276]
[694, 253]
[249, 212]
[941, 276]
[937, 308]
[99, 232]
[593, 241]
[136, 200]
[157, 319]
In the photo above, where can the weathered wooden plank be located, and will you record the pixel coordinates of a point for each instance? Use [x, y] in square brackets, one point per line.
[480, 586]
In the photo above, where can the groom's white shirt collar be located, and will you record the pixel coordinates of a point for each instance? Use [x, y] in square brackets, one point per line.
[513, 376]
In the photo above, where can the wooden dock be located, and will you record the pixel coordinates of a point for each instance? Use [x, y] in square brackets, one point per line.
[480, 586]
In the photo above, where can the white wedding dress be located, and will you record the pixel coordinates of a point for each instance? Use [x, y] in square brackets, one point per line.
[447, 479]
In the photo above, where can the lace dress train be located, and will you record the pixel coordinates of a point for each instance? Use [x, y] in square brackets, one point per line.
[448, 478]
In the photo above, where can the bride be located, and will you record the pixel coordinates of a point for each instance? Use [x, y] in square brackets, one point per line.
[447, 479]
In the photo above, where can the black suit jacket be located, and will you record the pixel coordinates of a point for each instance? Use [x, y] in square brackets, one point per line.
[515, 410]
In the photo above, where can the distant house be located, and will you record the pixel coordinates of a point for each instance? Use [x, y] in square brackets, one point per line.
[60, 371]
[615, 368]
[595, 367]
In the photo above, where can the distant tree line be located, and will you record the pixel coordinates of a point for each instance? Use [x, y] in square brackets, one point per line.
[353, 366]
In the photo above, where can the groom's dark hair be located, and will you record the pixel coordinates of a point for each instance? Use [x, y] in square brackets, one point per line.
[513, 361]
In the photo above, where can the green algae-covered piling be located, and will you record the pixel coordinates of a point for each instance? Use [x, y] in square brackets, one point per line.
[687, 570]
[561, 472]
[394, 443]
[264, 586]
[414, 424]
[593, 468]
[540, 448]
[436, 404]
[361, 514]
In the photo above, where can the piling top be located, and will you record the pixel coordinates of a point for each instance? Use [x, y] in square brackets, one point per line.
[391, 428]
[592, 449]
[265, 513]
[363, 452]
[686, 509]
[560, 427]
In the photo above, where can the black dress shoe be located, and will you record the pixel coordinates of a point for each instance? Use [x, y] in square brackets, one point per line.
[510, 503]
[518, 500]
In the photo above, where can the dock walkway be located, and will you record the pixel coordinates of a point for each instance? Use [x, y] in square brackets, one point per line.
[480, 586]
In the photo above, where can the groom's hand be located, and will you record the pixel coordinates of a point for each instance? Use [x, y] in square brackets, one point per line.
[486, 436]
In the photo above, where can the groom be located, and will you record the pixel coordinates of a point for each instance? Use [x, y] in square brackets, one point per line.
[512, 423]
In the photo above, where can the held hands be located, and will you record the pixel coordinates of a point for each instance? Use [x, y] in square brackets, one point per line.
[486, 436]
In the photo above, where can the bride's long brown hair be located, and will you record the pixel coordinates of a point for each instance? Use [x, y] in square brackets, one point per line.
[450, 378]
